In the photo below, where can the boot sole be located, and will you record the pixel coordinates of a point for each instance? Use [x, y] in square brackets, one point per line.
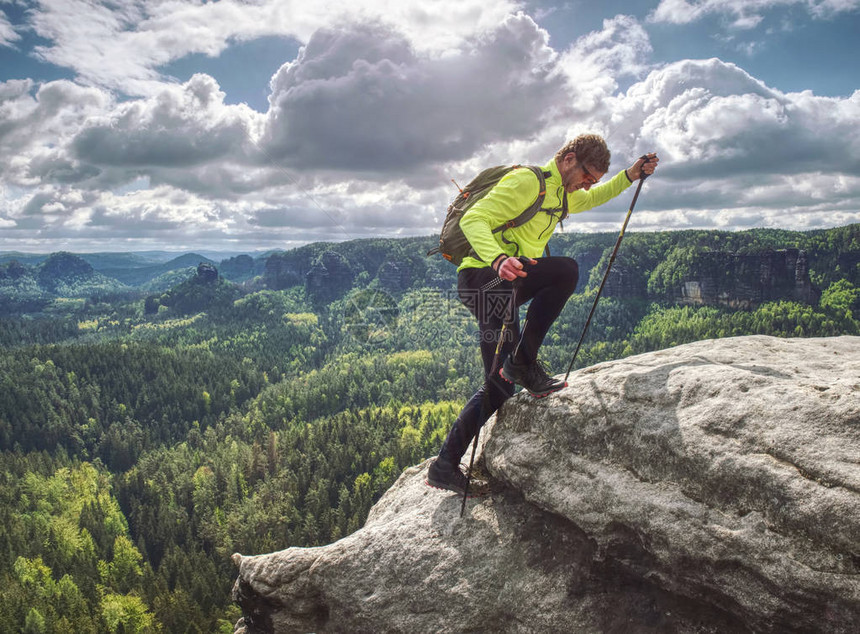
[535, 394]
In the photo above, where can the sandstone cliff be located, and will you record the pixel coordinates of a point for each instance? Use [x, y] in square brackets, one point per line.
[746, 280]
[713, 487]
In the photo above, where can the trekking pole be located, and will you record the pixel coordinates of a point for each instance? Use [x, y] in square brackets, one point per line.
[509, 319]
[642, 178]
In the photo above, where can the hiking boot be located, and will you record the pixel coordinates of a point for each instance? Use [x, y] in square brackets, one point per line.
[442, 476]
[531, 376]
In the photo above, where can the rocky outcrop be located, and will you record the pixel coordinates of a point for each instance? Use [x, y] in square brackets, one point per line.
[207, 273]
[285, 270]
[624, 282]
[746, 280]
[329, 278]
[240, 268]
[713, 487]
[587, 260]
[393, 278]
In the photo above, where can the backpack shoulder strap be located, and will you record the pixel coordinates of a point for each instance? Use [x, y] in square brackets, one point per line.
[529, 213]
[564, 212]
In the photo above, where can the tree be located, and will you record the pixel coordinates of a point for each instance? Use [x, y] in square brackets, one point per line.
[842, 297]
[124, 572]
[126, 614]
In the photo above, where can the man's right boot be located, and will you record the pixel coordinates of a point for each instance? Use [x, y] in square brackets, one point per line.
[531, 376]
[442, 474]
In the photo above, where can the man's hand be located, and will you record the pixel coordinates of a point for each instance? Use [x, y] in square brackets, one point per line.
[645, 165]
[511, 268]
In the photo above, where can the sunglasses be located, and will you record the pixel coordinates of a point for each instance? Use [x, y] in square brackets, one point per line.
[590, 179]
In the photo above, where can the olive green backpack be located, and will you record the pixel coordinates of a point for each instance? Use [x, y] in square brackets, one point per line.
[453, 244]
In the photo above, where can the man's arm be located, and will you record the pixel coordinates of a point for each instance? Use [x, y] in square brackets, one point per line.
[582, 200]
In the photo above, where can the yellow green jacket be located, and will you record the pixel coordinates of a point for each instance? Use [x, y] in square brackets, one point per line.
[516, 192]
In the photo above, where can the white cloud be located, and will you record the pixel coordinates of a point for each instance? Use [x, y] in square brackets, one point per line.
[596, 61]
[178, 127]
[366, 128]
[745, 14]
[8, 34]
[185, 136]
[737, 153]
[585, 77]
[35, 125]
[120, 44]
[747, 21]
[709, 115]
[830, 8]
[362, 99]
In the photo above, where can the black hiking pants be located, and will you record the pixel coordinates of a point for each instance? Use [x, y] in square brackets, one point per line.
[548, 285]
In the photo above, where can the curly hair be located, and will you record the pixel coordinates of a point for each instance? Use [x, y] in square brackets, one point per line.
[589, 149]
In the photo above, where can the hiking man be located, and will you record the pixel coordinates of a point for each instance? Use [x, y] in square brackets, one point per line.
[502, 258]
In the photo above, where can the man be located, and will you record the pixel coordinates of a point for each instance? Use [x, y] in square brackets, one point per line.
[514, 255]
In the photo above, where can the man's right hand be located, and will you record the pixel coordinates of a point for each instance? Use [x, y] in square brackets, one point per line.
[512, 268]
[644, 166]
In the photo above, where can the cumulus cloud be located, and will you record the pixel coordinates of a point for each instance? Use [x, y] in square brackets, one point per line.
[366, 127]
[744, 14]
[362, 98]
[586, 78]
[736, 153]
[120, 44]
[8, 34]
[178, 127]
[596, 61]
[35, 125]
[711, 116]
[164, 215]
[62, 132]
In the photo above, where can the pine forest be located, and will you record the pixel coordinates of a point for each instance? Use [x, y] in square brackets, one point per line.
[156, 417]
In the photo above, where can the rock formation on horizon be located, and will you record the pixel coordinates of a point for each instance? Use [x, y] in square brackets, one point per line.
[329, 278]
[748, 279]
[712, 487]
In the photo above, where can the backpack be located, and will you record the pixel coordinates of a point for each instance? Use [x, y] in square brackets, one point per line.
[453, 244]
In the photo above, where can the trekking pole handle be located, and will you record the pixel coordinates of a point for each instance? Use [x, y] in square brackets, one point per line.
[642, 177]
[642, 174]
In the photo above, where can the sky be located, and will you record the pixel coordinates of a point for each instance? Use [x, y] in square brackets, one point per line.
[132, 125]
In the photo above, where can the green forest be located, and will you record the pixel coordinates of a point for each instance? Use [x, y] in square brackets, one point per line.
[153, 421]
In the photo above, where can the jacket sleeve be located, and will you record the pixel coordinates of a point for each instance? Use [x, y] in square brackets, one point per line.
[515, 193]
[582, 200]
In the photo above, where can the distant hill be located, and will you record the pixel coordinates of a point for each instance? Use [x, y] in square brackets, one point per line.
[695, 266]
[205, 290]
[139, 276]
[168, 280]
[67, 275]
[106, 261]
[137, 268]
[743, 268]
[30, 287]
[22, 287]
[30, 259]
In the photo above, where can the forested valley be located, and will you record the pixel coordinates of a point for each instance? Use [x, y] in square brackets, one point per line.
[155, 421]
